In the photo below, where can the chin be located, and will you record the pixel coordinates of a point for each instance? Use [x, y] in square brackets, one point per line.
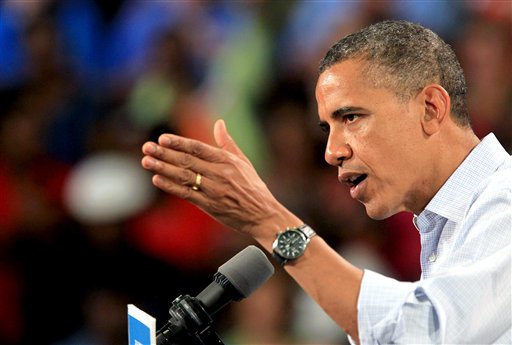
[379, 212]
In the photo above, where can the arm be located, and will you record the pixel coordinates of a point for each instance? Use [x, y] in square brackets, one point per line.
[233, 193]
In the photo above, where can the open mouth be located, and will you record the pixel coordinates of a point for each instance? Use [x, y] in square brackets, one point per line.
[357, 179]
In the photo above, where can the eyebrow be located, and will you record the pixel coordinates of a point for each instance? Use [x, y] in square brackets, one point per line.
[346, 110]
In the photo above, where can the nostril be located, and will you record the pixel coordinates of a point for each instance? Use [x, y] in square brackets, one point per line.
[333, 159]
[336, 154]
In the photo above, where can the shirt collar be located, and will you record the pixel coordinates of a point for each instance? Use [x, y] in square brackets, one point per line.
[452, 199]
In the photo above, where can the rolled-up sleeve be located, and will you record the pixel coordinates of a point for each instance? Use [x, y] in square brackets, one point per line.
[470, 305]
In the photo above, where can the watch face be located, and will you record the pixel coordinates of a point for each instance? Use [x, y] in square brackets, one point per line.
[291, 244]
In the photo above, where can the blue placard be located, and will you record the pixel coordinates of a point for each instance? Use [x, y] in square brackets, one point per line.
[141, 327]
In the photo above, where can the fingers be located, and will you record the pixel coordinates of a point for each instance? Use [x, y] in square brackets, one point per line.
[183, 176]
[189, 153]
[179, 189]
[178, 159]
[177, 172]
[191, 148]
[158, 155]
[229, 188]
[182, 182]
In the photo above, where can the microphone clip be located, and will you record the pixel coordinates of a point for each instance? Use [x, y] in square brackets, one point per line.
[189, 324]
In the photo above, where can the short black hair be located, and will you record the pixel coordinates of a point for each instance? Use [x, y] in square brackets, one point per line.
[404, 57]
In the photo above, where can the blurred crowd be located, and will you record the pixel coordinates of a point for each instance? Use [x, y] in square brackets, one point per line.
[84, 83]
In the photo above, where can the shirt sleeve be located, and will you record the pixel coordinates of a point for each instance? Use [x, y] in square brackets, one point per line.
[468, 305]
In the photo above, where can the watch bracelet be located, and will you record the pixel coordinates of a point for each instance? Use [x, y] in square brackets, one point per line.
[304, 229]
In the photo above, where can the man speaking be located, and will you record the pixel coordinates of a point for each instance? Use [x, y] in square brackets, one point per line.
[392, 100]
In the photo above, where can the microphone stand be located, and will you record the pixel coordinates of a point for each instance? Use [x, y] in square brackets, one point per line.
[189, 324]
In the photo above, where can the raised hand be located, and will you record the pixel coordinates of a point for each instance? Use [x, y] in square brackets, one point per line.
[220, 180]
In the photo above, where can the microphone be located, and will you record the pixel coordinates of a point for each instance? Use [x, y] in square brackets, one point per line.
[191, 317]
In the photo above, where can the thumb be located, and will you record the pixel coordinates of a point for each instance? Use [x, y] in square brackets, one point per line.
[225, 141]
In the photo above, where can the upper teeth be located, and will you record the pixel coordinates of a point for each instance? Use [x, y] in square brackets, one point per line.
[353, 178]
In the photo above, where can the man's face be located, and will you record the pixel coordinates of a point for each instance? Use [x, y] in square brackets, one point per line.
[375, 140]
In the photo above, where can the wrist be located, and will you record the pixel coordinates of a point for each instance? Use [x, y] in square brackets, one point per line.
[291, 244]
[266, 232]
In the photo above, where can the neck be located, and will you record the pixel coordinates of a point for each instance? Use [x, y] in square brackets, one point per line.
[450, 149]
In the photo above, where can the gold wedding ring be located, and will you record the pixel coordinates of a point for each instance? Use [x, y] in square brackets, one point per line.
[197, 184]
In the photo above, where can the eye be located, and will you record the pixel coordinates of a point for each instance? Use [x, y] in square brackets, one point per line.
[324, 127]
[350, 118]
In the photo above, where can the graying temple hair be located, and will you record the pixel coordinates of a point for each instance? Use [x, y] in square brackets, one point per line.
[404, 57]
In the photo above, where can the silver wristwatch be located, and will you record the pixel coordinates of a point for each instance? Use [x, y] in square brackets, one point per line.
[291, 243]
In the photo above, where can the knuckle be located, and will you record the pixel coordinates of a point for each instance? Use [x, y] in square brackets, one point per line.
[196, 148]
[225, 157]
[157, 166]
[233, 162]
[230, 173]
[159, 152]
[185, 176]
[186, 160]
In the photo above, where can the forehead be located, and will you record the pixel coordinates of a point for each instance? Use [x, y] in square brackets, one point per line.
[342, 75]
[345, 84]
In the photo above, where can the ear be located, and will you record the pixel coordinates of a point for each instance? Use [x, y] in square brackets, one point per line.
[437, 108]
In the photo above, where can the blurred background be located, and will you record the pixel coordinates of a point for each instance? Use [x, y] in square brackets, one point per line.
[83, 83]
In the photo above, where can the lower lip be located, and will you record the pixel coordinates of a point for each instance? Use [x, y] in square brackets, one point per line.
[356, 191]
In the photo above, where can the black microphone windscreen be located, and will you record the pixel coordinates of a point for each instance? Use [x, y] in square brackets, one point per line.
[247, 270]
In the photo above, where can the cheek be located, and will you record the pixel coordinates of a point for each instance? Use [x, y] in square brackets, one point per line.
[393, 152]
[390, 170]
[375, 152]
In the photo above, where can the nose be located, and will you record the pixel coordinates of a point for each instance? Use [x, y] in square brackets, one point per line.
[337, 151]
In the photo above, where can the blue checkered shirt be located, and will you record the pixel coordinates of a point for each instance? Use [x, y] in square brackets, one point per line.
[463, 296]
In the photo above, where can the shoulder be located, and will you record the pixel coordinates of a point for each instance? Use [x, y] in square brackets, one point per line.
[487, 221]
[496, 189]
